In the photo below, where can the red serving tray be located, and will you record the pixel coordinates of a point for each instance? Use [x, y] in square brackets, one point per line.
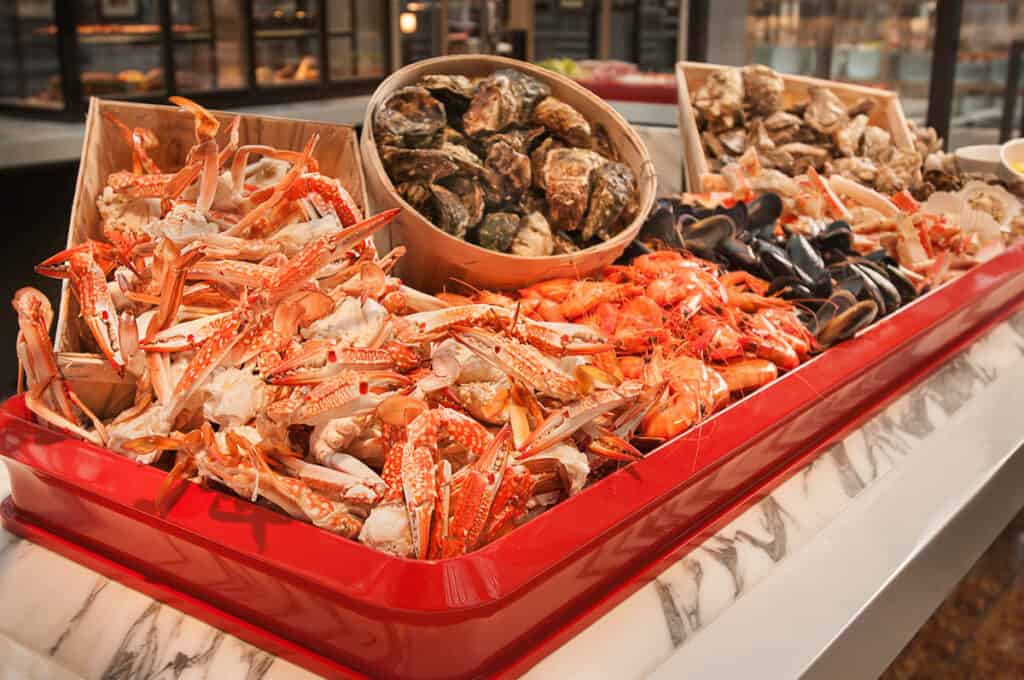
[501, 608]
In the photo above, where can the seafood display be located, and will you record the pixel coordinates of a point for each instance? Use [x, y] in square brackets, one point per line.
[743, 109]
[500, 162]
[846, 254]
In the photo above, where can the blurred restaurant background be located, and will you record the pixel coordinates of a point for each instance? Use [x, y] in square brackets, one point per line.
[55, 55]
[955, 64]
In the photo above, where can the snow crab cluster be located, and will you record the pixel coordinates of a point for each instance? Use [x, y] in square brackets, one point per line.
[273, 354]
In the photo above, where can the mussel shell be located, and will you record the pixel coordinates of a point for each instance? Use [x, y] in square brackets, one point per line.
[661, 225]
[836, 236]
[739, 254]
[805, 257]
[903, 285]
[703, 237]
[852, 278]
[846, 323]
[773, 259]
[890, 295]
[635, 249]
[764, 210]
[790, 288]
[739, 214]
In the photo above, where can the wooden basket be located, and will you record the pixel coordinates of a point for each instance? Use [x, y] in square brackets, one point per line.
[434, 257]
[690, 75]
[104, 151]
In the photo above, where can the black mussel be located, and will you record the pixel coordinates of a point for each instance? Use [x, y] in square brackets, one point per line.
[902, 284]
[739, 214]
[704, 236]
[880, 278]
[836, 236]
[739, 254]
[635, 249]
[880, 256]
[773, 259]
[661, 225]
[805, 257]
[842, 316]
[764, 210]
[853, 279]
[790, 288]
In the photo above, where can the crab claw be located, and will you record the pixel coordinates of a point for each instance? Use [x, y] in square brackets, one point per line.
[90, 286]
[347, 394]
[59, 265]
[183, 336]
[609, 445]
[564, 421]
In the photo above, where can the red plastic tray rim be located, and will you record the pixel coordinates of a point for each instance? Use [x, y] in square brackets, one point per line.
[475, 581]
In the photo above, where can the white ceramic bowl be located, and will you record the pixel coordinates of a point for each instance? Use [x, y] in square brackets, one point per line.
[1011, 152]
[979, 158]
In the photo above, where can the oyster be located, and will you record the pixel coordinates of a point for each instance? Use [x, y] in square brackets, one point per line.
[862, 107]
[734, 141]
[450, 212]
[505, 98]
[408, 165]
[782, 127]
[847, 137]
[603, 144]
[763, 89]
[567, 178]
[416, 194]
[498, 231]
[825, 113]
[539, 157]
[471, 193]
[857, 168]
[522, 140]
[877, 144]
[713, 143]
[612, 187]
[759, 136]
[563, 121]
[534, 238]
[455, 92]
[719, 101]
[512, 171]
[409, 117]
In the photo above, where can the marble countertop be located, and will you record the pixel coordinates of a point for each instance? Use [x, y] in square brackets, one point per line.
[845, 529]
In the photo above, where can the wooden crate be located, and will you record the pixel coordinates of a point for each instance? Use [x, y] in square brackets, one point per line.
[104, 151]
[690, 75]
[435, 258]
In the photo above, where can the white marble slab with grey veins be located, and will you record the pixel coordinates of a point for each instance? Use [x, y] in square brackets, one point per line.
[61, 620]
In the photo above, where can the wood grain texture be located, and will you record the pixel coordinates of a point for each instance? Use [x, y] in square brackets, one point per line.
[435, 258]
[690, 76]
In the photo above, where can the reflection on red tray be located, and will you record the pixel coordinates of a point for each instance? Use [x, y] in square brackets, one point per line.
[487, 611]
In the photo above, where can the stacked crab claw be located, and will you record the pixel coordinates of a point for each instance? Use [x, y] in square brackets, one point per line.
[273, 354]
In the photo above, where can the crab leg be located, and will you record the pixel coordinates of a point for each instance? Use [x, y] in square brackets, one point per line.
[347, 394]
[564, 421]
[207, 358]
[323, 359]
[278, 195]
[59, 266]
[35, 351]
[90, 286]
[476, 496]
[185, 335]
[172, 287]
[37, 404]
[525, 363]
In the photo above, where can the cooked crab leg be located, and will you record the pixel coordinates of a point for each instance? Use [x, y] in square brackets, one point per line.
[183, 336]
[525, 363]
[318, 360]
[90, 286]
[35, 351]
[476, 496]
[207, 358]
[564, 421]
[59, 266]
[172, 286]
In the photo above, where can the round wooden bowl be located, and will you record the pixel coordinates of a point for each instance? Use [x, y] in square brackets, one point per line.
[435, 258]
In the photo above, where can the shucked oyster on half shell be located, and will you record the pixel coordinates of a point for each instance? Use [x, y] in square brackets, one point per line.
[409, 117]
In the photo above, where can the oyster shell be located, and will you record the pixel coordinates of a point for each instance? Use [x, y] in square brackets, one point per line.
[763, 88]
[857, 168]
[472, 195]
[825, 112]
[505, 98]
[498, 231]
[512, 171]
[410, 165]
[455, 92]
[522, 140]
[534, 238]
[409, 117]
[539, 156]
[450, 212]
[563, 244]
[877, 144]
[862, 107]
[567, 178]
[563, 121]
[416, 194]
[847, 137]
[734, 141]
[612, 188]
[602, 143]
[719, 101]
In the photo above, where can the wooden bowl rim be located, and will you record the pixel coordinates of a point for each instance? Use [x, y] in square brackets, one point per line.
[450, 65]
